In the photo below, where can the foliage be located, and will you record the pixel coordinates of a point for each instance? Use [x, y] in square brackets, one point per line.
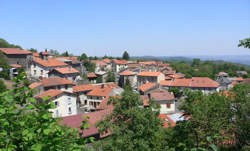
[244, 43]
[176, 91]
[132, 127]
[196, 62]
[27, 125]
[83, 57]
[127, 85]
[5, 44]
[99, 79]
[110, 77]
[54, 53]
[89, 66]
[33, 50]
[125, 55]
[5, 73]
[2, 86]
[65, 54]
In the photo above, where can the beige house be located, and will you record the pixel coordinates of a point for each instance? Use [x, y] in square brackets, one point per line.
[153, 77]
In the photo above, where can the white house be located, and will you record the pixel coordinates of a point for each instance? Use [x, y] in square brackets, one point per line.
[118, 65]
[53, 83]
[65, 102]
[42, 67]
[165, 99]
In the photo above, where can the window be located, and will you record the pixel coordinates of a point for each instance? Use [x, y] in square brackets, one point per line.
[70, 110]
[34, 65]
[69, 101]
[168, 105]
[57, 113]
[66, 87]
[85, 102]
[56, 104]
[34, 72]
[59, 87]
[41, 72]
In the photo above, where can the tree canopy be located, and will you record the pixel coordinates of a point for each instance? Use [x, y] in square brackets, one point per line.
[110, 77]
[83, 57]
[244, 43]
[5, 44]
[125, 55]
[27, 125]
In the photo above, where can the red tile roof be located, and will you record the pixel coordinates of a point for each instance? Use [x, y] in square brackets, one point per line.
[101, 63]
[75, 121]
[56, 81]
[161, 95]
[100, 91]
[35, 85]
[106, 60]
[66, 70]
[16, 65]
[166, 121]
[51, 62]
[147, 63]
[147, 86]
[247, 80]
[176, 76]
[104, 104]
[18, 51]
[194, 82]
[127, 73]
[50, 93]
[83, 87]
[149, 74]
[145, 100]
[35, 54]
[120, 61]
[92, 75]
[68, 58]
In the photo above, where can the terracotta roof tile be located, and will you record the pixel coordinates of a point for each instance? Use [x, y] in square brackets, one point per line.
[16, 65]
[66, 70]
[101, 63]
[127, 73]
[56, 81]
[83, 87]
[50, 93]
[35, 54]
[161, 95]
[147, 86]
[100, 91]
[92, 75]
[120, 61]
[35, 85]
[149, 74]
[104, 104]
[147, 63]
[75, 121]
[145, 100]
[51, 62]
[166, 120]
[106, 60]
[18, 51]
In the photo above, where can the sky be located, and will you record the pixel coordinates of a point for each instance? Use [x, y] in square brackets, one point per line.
[141, 27]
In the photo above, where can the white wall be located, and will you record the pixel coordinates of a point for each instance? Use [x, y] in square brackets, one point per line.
[164, 109]
[64, 104]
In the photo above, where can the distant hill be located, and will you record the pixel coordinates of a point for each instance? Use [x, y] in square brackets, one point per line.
[241, 59]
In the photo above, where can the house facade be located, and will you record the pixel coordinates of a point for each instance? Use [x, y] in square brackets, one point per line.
[118, 65]
[152, 77]
[40, 68]
[69, 73]
[65, 102]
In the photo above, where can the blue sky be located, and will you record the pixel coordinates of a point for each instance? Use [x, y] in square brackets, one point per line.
[142, 27]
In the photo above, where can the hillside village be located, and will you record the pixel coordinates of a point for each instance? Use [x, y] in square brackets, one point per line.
[78, 92]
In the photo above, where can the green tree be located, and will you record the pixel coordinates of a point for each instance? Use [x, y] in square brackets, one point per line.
[176, 91]
[196, 62]
[5, 73]
[83, 57]
[244, 43]
[5, 44]
[125, 55]
[32, 50]
[27, 125]
[54, 53]
[127, 85]
[65, 54]
[110, 77]
[89, 66]
[99, 79]
[2, 86]
[132, 127]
